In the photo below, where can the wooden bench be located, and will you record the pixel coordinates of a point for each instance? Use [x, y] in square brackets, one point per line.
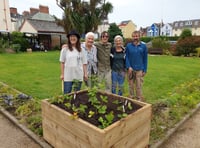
[155, 51]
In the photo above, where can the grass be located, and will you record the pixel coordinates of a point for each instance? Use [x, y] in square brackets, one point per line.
[38, 74]
[172, 84]
[167, 72]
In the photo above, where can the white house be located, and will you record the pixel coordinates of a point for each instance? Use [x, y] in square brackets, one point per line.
[193, 25]
[166, 30]
[5, 21]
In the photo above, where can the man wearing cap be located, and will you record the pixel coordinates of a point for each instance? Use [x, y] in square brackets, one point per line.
[73, 63]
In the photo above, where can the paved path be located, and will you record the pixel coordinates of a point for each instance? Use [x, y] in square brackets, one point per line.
[187, 136]
[12, 137]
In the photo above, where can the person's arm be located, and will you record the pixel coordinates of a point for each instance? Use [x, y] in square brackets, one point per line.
[62, 65]
[145, 60]
[85, 75]
[111, 56]
[62, 62]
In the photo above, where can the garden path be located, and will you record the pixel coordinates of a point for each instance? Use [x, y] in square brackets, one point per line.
[187, 135]
[13, 137]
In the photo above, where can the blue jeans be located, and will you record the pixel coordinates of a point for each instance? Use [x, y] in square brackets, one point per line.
[68, 86]
[118, 79]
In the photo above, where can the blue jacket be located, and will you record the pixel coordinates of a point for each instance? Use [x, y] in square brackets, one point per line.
[136, 56]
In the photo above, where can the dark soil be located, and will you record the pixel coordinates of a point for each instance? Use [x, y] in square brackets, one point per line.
[122, 107]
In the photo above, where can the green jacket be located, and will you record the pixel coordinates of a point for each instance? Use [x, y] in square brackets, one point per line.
[103, 56]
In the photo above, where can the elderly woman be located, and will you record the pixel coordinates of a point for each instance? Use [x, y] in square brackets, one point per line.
[91, 54]
[117, 60]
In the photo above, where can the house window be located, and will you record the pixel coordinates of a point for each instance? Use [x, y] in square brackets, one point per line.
[188, 23]
[196, 23]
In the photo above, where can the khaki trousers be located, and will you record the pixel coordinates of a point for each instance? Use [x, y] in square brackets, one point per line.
[135, 85]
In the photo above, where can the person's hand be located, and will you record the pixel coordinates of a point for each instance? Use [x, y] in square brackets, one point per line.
[85, 77]
[130, 73]
[130, 70]
[143, 74]
[62, 77]
[64, 46]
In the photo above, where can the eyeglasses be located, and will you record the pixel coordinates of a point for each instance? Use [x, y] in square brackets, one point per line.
[105, 36]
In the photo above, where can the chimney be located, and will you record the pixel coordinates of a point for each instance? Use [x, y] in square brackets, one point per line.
[13, 10]
[33, 10]
[25, 13]
[44, 9]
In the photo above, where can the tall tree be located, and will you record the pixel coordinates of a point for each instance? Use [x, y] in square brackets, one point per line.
[83, 16]
[114, 30]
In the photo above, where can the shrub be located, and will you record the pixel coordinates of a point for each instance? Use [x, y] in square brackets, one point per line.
[198, 51]
[3, 45]
[186, 33]
[18, 38]
[16, 47]
[187, 46]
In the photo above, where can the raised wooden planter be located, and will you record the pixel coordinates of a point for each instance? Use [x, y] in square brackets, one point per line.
[61, 131]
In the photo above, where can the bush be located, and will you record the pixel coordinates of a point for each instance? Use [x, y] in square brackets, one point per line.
[3, 45]
[18, 38]
[187, 46]
[16, 47]
[198, 51]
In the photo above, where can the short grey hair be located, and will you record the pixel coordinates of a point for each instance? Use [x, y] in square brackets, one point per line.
[118, 36]
[89, 34]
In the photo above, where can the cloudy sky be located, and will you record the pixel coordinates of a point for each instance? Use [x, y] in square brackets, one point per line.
[142, 12]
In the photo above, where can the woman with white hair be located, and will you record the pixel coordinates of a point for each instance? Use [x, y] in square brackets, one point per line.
[117, 60]
[91, 54]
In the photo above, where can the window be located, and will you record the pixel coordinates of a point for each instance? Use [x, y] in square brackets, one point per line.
[188, 23]
[196, 23]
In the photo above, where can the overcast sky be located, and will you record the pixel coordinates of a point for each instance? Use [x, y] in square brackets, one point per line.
[142, 12]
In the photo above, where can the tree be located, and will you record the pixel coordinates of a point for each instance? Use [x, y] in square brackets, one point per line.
[185, 33]
[114, 30]
[19, 41]
[81, 15]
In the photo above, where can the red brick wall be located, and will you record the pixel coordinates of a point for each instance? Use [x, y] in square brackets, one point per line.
[33, 10]
[13, 10]
[44, 9]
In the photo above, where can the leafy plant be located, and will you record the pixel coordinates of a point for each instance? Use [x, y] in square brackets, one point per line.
[107, 121]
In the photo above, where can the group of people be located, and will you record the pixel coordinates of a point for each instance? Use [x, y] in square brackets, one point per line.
[91, 61]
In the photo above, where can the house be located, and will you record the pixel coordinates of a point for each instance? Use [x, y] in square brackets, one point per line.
[16, 19]
[127, 28]
[153, 30]
[143, 32]
[5, 21]
[41, 27]
[166, 30]
[193, 25]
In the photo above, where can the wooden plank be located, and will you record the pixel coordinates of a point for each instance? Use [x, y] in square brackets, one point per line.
[83, 130]
[59, 137]
[139, 135]
[127, 125]
[60, 130]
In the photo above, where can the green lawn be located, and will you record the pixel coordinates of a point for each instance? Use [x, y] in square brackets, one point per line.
[37, 74]
[172, 86]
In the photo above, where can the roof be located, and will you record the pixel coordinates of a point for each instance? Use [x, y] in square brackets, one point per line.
[46, 26]
[42, 16]
[124, 23]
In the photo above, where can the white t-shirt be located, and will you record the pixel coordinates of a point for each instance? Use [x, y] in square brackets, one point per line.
[74, 60]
